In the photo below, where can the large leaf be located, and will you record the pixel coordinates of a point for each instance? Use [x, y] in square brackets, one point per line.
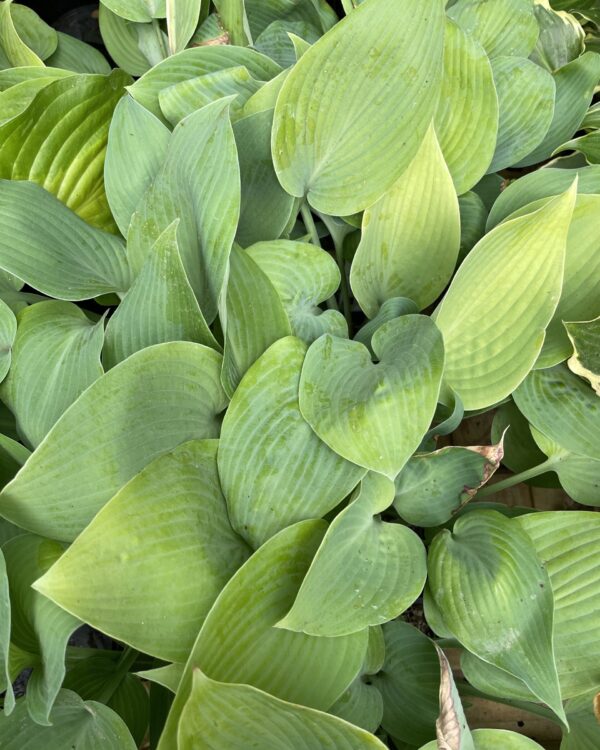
[434, 486]
[526, 107]
[121, 39]
[85, 725]
[59, 142]
[410, 236]
[496, 598]
[73, 54]
[38, 626]
[266, 208]
[137, 146]
[585, 360]
[253, 318]
[516, 271]
[240, 643]
[218, 715]
[15, 99]
[273, 468]
[364, 68]
[575, 84]
[303, 276]
[49, 247]
[374, 414]
[147, 405]
[199, 184]
[126, 592]
[409, 683]
[502, 27]
[466, 119]
[562, 407]
[199, 61]
[56, 356]
[159, 307]
[387, 561]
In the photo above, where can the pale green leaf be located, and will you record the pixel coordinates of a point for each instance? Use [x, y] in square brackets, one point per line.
[141, 11]
[495, 739]
[303, 276]
[126, 592]
[575, 84]
[585, 360]
[73, 54]
[121, 39]
[515, 271]
[466, 119]
[584, 727]
[168, 676]
[266, 209]
[231, 714]
[150, 403]
[410, 236]
[282, 40]
[56, 356]
[182, 19]
[502, 27]
[496, 597]
[374, 414]
[75, 723]
[159, 307]
[364, 68]
[274, 469]
[432, 487]
[12, 76]
[526, 107]
[5, 627]
[38, 626]
[265, 99]
[588, 145]
[390, 309]
[16, 99]
[232, 14]
[12, 45]
[563, 408]
[199, 184]
[240, 643]
[137, 147]
[49, 247]
[561, 38]
[8, 331]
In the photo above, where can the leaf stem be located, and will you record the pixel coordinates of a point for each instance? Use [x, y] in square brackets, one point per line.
[523, 476]
[309, 223]
[337, 235]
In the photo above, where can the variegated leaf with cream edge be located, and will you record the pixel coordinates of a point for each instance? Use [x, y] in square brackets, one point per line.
[585, 360]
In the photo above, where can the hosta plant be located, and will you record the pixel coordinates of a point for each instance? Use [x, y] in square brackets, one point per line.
[259, 262]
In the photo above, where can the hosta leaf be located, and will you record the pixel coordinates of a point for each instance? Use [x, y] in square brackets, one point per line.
[496, 598]
[584, 727]
[254, 317]
[526, 107]
[159, 307]
[121, 39]
[409, 683]
[502, 27]
[301, 477]
[466, 119]
[185, 97]
[56, 356]
[38, 626]
[8, 331]
[588, 145]
[374, 414]
[473, 217]
[35, 32]
[364, 69]
[434, 486]
[13, 47]
[137, 146]
[265, 99]
[563, 408]
[276, 40]
[240, 643]
[182, 19]
[303, 276]
[451, 726]
[266, 208]
[390, 309]
[199, 61]
[232, 713]
[516, 270]
[141, 11]
[168, 676]
[75, 723]
[585, 360]
[410, 236]
[18, 97]
[5, 618]
[232, 15]
[575, 84]
[386, 560]
[495, 739]
[561, 38]
[198, 184]
[261, 13]
[73, 54]
[125, 593]
[49, 247]
[12, 76]
[147, 405]
[60, 139]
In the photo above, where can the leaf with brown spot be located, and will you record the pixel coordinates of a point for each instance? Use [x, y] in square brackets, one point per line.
[451, 725]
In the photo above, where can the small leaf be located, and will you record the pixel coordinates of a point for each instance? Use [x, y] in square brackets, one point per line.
[585, 360]
[182, 19]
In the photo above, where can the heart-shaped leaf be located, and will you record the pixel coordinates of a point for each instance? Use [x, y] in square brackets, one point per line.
[375, 415]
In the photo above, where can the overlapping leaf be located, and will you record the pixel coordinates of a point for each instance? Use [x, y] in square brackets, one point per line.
[585, 360]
